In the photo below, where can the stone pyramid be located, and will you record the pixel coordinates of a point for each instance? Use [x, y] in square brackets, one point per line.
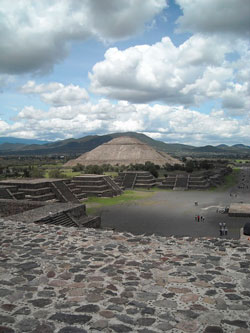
[123, 151]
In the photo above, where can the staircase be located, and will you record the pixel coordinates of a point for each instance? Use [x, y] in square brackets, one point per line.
[117, 190]
[144, 180]
[62, 192]
[129, 180]
[181, 183]
[5, 193]
[94, 185]
[37, 191]
[168, 183]
[60, 219]
[11, 192]
[198, 183]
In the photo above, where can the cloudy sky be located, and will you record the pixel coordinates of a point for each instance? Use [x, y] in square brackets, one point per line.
[175, 70]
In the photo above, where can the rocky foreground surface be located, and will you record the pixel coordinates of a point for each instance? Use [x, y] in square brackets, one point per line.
[54, 279]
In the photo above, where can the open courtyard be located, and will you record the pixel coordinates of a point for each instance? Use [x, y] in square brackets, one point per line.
[170, 213]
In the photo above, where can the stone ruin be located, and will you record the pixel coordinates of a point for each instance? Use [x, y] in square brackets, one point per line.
[62, 190]
[54, 201]
[199, 181]
[135, 179]
[68, 214]
[94, 185]
[37, 190]
[185, 182]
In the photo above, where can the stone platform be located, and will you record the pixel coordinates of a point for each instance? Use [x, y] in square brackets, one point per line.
[66, 280]
[66, 214]
[239, 209]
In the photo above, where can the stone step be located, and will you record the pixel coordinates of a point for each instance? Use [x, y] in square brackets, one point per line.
[36, 191]
[81, 196]
[43, 197]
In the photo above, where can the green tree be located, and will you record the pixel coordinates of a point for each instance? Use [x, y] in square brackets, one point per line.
[78, 167]
[36, 173]
[55, 173]
[94, 169]
[189, 166]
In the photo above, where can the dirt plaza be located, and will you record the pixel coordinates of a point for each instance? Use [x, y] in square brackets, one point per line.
[169, 213]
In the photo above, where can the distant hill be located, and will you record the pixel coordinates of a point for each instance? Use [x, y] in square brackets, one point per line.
[8, 139]
[16, 146]
[208, 149]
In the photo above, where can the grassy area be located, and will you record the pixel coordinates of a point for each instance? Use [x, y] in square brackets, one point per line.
[112, 174]
[94, 203]
[230, 181]
[69, 173]
[242, 161]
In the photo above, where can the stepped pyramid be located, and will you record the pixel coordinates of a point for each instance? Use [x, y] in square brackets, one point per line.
[123, 151]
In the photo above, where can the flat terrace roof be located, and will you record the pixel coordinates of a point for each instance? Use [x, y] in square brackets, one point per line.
[39, 213]
[30, 181]
[239, 209]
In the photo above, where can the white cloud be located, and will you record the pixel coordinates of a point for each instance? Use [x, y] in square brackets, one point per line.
[187, 75]
[170, 124]
[36, 34]
[56, 93]
[215, 16]
[29, 113]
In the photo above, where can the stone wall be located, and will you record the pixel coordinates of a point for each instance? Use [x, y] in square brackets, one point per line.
[12, 207]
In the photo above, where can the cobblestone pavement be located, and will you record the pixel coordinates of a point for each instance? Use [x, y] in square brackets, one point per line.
[54, 279]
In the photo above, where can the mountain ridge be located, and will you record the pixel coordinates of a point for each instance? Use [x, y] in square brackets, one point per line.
[79, 146]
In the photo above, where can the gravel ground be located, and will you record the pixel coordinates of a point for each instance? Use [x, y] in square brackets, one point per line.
[170, 213]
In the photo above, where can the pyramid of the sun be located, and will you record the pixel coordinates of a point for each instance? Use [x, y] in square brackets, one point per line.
[123, 151]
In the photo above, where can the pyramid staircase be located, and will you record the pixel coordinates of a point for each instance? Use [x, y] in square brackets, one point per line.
[94, 185]
[181, 183]
[168, 183]
[67, 214]
[66, 220]
[198, 183]
[37, 190]
[135, 179]
[129, 180]
[117, 190]
[10, 191]
[145, 180]
[34, 190]
[60, 219]
[62, 192]
[184, 182]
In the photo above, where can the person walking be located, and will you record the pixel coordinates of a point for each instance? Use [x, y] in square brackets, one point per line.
[198, 218]
[221, 229]
[225, 231]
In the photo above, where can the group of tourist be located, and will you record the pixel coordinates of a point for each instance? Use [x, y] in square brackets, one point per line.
[222, 226]
[199, 218]
[223, 229]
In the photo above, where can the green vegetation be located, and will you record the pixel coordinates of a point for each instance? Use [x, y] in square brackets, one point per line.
[55, 173]
[93, 204]
[69, 173]
[229, 181]
[242, 161]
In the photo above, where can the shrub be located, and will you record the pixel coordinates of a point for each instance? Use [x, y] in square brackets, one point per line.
[55, 173]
